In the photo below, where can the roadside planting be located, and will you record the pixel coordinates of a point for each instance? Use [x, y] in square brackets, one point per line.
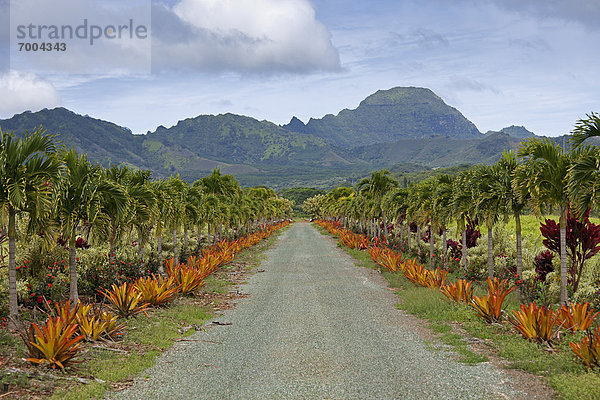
[536, 323]
[57, 341]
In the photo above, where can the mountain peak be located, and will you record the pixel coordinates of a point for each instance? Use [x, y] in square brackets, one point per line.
[519, 132]
[389, 115]
[400, 95]
[295, 125]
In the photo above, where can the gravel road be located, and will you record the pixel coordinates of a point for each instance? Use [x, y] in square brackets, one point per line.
[314, 327]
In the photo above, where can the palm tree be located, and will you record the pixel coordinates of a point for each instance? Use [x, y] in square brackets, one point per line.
[28, 167]
[586, 128]
[488, 204]
[512, 199]
[79, 196]
[545, 178]
[584, 179]
[463, 207]
[118, 215]
[376, 187]
[395, 202]
[442, 205]
[584, 176]
[162, 213]
[177, 190]
[192, 203]
[423, 209]
[141, 205]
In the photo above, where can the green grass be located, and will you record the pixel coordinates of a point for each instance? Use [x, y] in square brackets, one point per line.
[570, 379]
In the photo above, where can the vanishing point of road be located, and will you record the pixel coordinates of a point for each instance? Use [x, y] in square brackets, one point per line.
[315, 326]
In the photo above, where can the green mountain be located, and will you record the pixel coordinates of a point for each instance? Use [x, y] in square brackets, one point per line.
[103, 141]
[388, 116]
[438, 151]
[255, 151]
[409, 129]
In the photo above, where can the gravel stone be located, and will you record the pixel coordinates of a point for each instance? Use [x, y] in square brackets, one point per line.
[314, 327]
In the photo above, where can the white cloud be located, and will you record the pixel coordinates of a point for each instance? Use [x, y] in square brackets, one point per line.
[258, 36]
[22, 91]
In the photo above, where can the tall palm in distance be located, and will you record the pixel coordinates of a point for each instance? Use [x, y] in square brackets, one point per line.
[376, 186]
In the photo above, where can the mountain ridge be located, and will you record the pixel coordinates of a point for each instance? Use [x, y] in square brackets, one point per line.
[388, 127]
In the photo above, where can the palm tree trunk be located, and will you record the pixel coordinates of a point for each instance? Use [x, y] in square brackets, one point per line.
[175, 249]
[113, 237]
[208, 234]
[408, 236]
[185, 240]
[13, 305]
[464, 249]
[161, 269]
[73, 293]
[401, 233]
[431, 244]
[418, 240]
[141, 243]
[385, 230]
[564, 298]
[445, 245]
[519, 246]
[490, 251]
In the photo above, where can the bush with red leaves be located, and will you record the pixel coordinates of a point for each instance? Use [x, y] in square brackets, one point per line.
[583, 242]
[454, 249]
[472, 233]
[543, 265]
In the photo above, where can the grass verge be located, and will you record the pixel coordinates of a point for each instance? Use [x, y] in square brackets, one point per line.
[457, 326]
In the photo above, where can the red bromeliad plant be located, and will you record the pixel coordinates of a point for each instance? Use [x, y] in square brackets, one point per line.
[416, 272]
[583, 242]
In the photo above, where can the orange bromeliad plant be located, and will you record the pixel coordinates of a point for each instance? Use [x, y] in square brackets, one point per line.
[187, 278]
[94, 324]
[125, 300]
[588, 350]
[386, 258]
[535, 323]
[577, 316]
[436, 279]
[415, 272]
[157, 291]
[57, 342]
[459, 291]
[490, 307]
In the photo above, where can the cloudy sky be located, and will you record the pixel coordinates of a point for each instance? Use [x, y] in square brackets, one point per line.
[500, 62]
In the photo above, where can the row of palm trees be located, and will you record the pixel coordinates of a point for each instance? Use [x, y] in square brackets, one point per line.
[542, 177]
[63, 197]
